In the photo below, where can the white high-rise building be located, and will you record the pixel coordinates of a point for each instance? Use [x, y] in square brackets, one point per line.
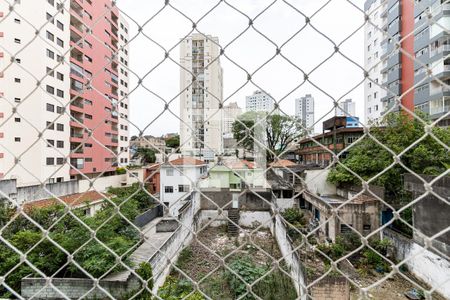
[200, 100]
[230, 113]
[259, 101]
[34, 141]
[304, 110]
[58, 129]
[123, 106]
[373, 53]
[346, 108]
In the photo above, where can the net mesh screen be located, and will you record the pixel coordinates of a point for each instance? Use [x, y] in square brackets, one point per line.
[273, 232]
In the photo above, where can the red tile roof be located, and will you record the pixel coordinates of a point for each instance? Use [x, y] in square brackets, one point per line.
[187, 161]
[282, 163]
[73, 200]
[239, 164]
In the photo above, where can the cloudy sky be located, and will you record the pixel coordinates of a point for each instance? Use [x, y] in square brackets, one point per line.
[279, 23]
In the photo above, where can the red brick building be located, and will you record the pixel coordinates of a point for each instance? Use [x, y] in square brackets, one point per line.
[336, 136]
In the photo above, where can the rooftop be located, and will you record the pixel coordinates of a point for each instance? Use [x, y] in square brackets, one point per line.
[186, 161]
[74, 200]
[282, 163]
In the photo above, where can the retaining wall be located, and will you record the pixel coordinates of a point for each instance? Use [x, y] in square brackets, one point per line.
[422, 263]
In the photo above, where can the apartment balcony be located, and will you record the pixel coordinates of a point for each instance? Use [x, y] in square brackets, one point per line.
[76, 148]
[439, 50]
[76, 117]
[76, 86]
[77, 163]
[76, 134]
[77, 25]
[77, 55]
[77, 105]
[77, 9]
[76, 70]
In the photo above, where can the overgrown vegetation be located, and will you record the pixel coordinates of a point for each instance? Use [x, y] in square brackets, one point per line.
[365, 259]
[297, 222]
[111, 229]
[367, 158]
[253, 267]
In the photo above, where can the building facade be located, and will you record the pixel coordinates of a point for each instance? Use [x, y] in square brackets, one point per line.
[259, 101]
[424, 47]
[373, 62]
[73, 113]
[304, 110]
[25, 155]
[346, 108]
[177, 179]
[99, 61]
[124, 101]
[202, 98]
[335, 138]
[230, 113]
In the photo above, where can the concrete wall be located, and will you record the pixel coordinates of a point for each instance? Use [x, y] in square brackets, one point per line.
[284, 203]
[148, 216]
[291, 258]
[75, 288]
[247, 219]
[211, 199]
[103, 183]
[316, 182]
[430, 214]
[169, 252]
[422, 263]
[331, 288]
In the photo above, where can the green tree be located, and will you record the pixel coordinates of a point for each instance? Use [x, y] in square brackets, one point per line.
[173, 142]
[279, 131]
[367, 158]
[147, 155]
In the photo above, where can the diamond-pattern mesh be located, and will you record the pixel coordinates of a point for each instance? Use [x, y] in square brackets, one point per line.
[68, 249]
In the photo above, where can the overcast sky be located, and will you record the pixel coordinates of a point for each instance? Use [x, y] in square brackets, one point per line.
[306, 50]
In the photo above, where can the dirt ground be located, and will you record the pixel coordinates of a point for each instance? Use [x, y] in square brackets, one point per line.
[392, 288]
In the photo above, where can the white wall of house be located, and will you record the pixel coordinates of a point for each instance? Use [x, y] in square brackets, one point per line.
[177, 182]
[316, 182]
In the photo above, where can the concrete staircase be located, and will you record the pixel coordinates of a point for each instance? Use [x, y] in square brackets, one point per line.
[233, 215]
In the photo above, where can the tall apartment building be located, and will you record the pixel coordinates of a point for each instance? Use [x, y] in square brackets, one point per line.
[124, 102]
[304, 110]
[201, 99]
[25, 155]
[373, 45]
[259, 101]
[426, 41]
[96, 63]
[346, 107]
[75, 106]
[230, 113]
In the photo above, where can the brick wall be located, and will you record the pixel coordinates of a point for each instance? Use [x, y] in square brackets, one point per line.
[331, 289]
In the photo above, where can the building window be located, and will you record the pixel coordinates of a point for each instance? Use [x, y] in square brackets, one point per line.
[50, 161]
[17, 139]
[60, 127]
[60, 161]
[60, 144]
[50, 36]
[50, 89]
[50, 54]
[183, 188]
[50, 143]
[50, 107]
[168, 189]
[17, 120]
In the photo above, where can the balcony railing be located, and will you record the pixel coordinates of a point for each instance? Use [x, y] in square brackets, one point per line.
[440, 49]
